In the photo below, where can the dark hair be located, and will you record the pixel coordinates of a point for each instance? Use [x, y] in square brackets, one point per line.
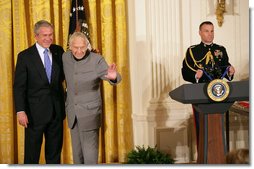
[41, 23]
[205, 23]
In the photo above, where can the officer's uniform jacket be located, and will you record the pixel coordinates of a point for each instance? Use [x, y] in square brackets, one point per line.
[204, 57]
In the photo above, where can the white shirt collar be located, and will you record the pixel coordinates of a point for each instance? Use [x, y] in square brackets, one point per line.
[41, 50]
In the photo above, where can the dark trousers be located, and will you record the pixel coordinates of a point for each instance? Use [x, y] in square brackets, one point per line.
[53, 133]
[196, 123]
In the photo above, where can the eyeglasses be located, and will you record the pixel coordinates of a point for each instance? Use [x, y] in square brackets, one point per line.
[82, 48]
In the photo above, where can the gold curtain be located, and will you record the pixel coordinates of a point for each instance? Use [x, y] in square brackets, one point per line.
[107, 21]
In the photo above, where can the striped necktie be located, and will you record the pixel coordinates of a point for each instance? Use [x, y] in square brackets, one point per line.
[47, 64]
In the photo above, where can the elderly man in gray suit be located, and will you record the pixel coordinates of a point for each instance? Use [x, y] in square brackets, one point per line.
[84, 71]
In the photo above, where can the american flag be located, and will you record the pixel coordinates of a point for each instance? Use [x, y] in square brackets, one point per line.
[78, 20]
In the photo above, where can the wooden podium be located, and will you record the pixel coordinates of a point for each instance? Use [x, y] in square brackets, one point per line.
[212, 143]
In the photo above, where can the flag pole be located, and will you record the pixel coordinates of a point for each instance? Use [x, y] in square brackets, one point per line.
[77, 21]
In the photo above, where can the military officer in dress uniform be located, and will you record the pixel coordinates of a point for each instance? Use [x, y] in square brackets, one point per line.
[206, 61]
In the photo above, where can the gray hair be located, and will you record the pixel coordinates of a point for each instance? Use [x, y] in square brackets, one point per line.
[76, 35]
[41, 23]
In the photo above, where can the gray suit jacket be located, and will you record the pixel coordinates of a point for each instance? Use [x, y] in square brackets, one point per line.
[83, 80]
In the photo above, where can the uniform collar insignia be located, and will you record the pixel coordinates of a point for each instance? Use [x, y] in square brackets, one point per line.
[206, 45]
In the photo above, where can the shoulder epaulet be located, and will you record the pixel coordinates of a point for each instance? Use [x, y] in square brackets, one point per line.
[193, 46]
[219, 45]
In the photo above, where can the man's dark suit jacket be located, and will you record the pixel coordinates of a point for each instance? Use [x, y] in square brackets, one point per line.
[32, 91]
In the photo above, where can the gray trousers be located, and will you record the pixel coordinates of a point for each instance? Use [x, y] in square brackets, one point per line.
[85, 145]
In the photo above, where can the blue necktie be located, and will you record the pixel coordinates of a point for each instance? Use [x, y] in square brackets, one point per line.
[47, 63]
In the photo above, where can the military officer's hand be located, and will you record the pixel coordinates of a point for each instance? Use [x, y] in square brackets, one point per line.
[231, 71]
[199, 74]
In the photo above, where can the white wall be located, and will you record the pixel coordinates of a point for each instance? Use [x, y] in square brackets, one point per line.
[160, 31]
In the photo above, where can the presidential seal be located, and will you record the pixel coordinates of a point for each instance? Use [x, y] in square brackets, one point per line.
[218, 90]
